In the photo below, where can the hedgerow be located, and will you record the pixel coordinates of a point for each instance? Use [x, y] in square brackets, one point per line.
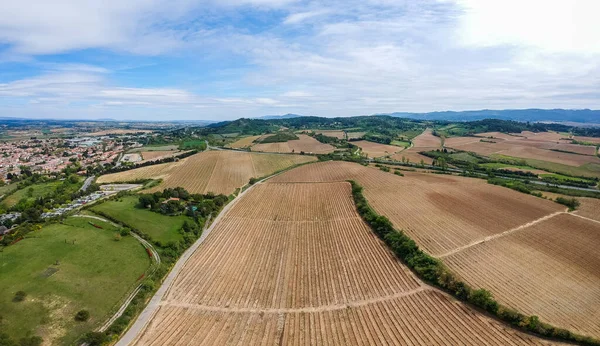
[433, 271]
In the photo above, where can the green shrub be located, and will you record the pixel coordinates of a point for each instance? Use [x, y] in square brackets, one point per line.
[82, 316]
[484, 299]
[31, 341]
[19, 296]
[572, 203]
[95, 338]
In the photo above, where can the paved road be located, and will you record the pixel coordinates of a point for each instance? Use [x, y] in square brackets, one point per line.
[87, 183]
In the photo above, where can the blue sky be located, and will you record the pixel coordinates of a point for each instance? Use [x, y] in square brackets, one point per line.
[225, 59]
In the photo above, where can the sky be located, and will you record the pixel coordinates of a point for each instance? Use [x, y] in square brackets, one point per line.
[226, 59]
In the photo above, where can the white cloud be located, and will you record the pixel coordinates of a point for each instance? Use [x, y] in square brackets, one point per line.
[558, 26]
[320, 57]
[300, 17]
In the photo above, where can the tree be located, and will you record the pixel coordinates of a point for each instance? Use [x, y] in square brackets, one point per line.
[95, 338]
[20, 296]
[82, 316]
[117, 236]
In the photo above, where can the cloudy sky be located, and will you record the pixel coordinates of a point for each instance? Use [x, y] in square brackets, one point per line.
[224, 59]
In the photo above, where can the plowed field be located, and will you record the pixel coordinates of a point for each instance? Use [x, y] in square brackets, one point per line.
[377, 149]
[550, 269]
[157, 155]
[304, 143]
[212, 171]
[308, 272]
[538, 146]
[528, 251]
[590, 207]
[441, 213]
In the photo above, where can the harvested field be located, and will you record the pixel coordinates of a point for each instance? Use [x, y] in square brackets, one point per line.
[588, 139]
[377, 149]
[590, 207]
[157, 155]
[527, 145]
[340, 134]
[413, 156]
[427, 141]
[211, 171]
[550, 269]
[326, 279]
[244, 142]
[441, 213]
[305, 143]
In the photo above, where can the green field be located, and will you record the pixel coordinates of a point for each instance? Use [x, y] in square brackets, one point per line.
[499, 165]
[466, 157]
[93, 273]
[591, 170]
[159, 227]
[7, 189]
[401, 144]
[38, 190]
[566, 178]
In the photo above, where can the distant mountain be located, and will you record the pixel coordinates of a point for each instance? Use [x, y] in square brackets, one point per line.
[274, 117]
[523, 115]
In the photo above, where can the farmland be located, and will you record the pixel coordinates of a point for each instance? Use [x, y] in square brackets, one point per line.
[304, 143]
[212, 171]
[244, 142]
[440, 212]
[157, 155]
[376, 149]
[561, 255]
[159, 227]
[426, 141]
[546, 150]
[340, 134]
[540, 260]
[64, 268]
[326, 279]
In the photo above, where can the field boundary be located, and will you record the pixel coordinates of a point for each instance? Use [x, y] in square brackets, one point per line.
[433, 271]
[502, 234]
[311, 309]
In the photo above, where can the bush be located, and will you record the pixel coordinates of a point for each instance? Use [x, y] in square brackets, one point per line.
[572, 203]
[484, 299]
[31, 341]
[124, 231]
[20, 296]
[82, 316]
[117, 236]
[95, 338]
[397, 172]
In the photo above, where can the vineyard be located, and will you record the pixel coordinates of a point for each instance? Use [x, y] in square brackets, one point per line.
[212, 171]
[294, 264]
[305, 144]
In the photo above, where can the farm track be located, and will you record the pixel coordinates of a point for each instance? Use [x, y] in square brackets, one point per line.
[441, 213]
[549, 269]
[326, 279]
[155, 258]
[541, 260]
[495, 236]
